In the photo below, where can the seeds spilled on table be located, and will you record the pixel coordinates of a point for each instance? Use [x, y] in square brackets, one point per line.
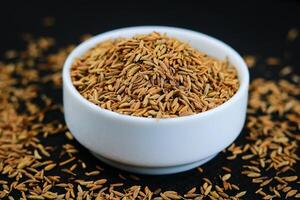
[39, 159]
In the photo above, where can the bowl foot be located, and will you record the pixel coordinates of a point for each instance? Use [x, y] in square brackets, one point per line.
[154, 170]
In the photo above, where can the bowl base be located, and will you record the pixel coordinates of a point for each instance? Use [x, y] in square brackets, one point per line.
[154, 170]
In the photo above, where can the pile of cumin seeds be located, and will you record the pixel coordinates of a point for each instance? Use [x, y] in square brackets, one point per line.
[153, 75]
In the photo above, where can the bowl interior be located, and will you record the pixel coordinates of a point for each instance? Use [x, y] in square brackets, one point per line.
[202, 42]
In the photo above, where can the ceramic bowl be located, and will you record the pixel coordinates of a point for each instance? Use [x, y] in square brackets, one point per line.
[152, 146]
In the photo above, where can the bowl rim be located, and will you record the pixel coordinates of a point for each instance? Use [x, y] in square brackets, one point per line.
[84, 46]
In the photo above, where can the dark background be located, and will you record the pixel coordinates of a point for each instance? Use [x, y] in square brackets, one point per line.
[257, 28]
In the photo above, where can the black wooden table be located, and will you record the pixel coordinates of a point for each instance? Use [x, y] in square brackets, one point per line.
[256, 28]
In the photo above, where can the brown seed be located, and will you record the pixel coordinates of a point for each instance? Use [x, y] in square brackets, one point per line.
[66, 161]
[290, 178]
[172, 195]
[240, 194]
[226, 177]
[291, 193]
[100, 182]
[226, 169]
[191, 191]
[231, 157]
[69, 135]
[50, 167]
[292, 34]
[247, 157]
[286, 71]
[93, 173]
[37, 197]
[200, 169]
[266, 182]
[134, 177]
[250, 60]
[272, 61]
[207, 190]
[276, 193]
[253, 174]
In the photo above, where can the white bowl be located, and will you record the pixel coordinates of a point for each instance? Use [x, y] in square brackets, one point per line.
[152, 146]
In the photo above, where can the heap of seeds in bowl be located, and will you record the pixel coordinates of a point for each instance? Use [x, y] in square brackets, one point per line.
[153, 75]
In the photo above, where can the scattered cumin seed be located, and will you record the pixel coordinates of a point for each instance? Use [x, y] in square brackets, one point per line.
[272, 61]
[69, 135]
[207, 181]
[93, 173]
[253, 174]
[226, 177]
[233, 157]
[293, 33]
[50, 167]
[291, 193]
[290, 178]
[37, 197]
[157, 191]
[271, 140]
[266, 182]
[192, 191]
[286, 71]
[134, 177]
[122, 176]
[66, 161]
[200, 169]
[226, 169]
[247, 157]
[240, 194]
[250, 60]
[207, 190]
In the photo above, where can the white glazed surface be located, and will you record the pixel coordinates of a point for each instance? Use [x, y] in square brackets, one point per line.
[154, 170]
[146, 142]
